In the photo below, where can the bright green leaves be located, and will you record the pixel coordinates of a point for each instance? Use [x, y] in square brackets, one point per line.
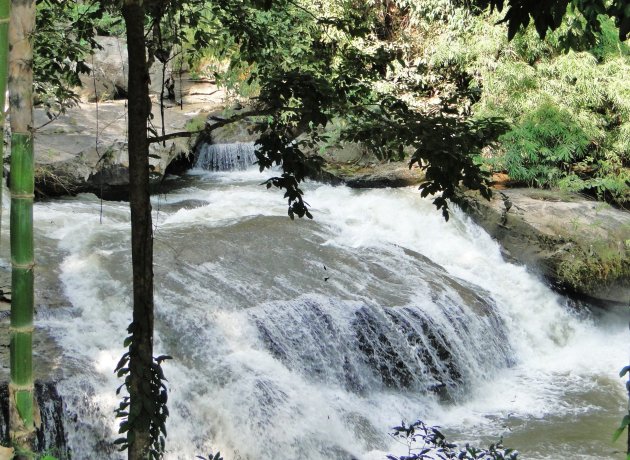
[65, 36]
[542, 147]
[619, 431]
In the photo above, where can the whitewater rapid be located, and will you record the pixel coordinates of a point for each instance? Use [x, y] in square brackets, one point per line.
[242, 296]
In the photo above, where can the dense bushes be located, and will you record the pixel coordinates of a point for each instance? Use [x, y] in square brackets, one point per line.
[544, 147]
[570, 110]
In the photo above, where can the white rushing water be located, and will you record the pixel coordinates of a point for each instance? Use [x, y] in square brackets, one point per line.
[226, 157]
[309, 339]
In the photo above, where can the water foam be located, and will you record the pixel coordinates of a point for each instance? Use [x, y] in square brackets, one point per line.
[229, 391]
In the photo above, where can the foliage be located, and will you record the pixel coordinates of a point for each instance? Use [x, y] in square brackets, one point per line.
[333, 66]
[542, 148]
[625, 422]
[64, 37]
[549, 15]
[427, 442]
[550, 97]
[154, 396]
[216, 456]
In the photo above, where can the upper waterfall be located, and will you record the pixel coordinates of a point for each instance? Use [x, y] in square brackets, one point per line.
[226, 157]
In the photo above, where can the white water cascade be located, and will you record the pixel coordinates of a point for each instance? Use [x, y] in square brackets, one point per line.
[309, 339]
[226, 157]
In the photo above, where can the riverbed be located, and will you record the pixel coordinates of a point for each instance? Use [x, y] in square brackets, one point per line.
[310, 339]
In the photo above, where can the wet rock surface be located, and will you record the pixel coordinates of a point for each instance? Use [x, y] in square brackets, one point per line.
[85, 149]
[581, 246]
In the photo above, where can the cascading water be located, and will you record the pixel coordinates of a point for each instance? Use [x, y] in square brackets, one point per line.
[308, 339]
[226, 157]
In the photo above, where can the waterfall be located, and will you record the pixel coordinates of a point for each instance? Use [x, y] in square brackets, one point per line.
[308, 339]
[226, 157]
[50, 436]
[420, 347]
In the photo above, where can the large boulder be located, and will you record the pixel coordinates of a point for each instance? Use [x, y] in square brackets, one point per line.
[107, 79]
[85, 149]
[351, 164]
[580, 245]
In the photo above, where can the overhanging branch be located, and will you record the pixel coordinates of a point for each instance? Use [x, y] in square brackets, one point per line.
[220, 122]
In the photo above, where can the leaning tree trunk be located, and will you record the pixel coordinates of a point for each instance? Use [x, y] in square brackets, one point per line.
[141, 347]
[4, 67]
[22, 25]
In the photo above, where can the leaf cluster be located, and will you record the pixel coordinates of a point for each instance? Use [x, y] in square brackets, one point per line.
[216, 456]
[149, 404]
[542, 148]
[325, 70]
[428, 442]
[548, 15]
[569, 111]
[64, 38]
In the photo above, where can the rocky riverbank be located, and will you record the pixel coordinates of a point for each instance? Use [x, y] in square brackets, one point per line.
[581, 246]
[85, 149]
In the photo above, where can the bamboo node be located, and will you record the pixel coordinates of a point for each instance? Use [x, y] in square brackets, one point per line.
[24, 434]
[22, 195]
[30, 266]
[4, 20]
[16, 387]
[21, 329]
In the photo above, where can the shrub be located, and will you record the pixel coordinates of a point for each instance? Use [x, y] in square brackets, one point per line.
[541, 149]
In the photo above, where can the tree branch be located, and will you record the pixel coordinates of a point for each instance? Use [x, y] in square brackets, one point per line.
[220, 122]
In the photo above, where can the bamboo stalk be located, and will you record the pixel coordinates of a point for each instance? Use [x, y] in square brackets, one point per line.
[20, 82]
[4, 67]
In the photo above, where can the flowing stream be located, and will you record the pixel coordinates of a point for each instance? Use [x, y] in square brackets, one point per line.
[309, 339]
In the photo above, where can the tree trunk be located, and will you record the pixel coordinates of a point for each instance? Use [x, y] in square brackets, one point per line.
[21, 403]
[4, 68]
[141, 348]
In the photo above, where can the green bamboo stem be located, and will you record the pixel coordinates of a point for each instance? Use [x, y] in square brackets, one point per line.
[4, 67]
[22, 259]
[20, 82]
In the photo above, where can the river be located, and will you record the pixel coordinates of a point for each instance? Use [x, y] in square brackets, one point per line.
[310, 339]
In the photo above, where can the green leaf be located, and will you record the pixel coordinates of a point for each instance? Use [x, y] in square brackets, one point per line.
[618, 432]
[624, 423]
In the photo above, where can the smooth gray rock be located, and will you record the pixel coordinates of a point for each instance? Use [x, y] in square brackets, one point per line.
[580, 245]
[85, 149]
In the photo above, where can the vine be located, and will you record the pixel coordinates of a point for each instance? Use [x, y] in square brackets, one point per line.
[625, 422]
[153, 394]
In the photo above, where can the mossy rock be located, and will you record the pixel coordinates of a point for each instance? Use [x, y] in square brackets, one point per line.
[582, 247]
